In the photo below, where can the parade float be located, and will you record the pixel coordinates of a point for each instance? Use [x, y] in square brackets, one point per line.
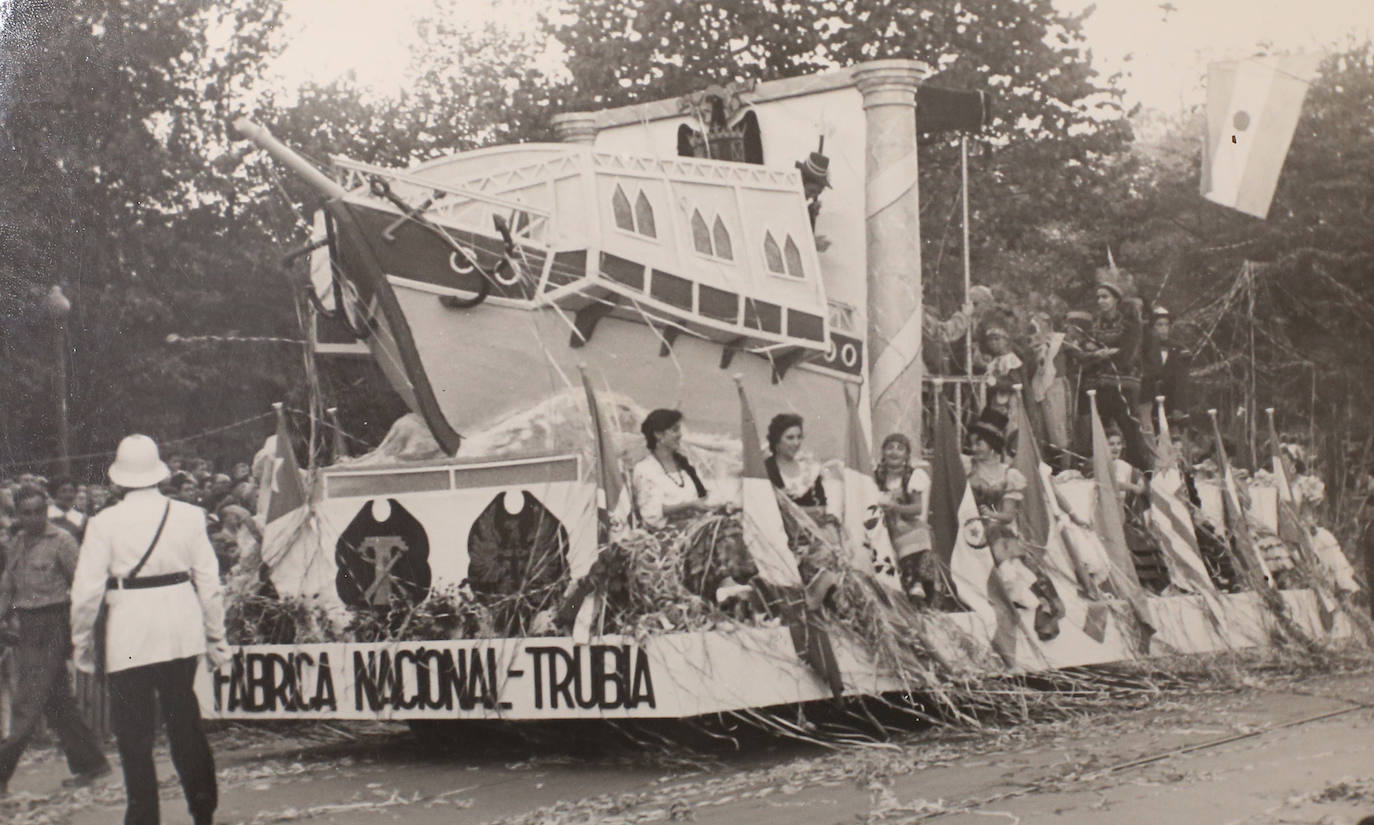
[749, 249]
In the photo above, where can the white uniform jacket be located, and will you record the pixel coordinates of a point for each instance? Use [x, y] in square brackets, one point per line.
[151, 625]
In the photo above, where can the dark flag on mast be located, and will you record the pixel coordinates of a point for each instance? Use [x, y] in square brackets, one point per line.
[375, 313]
[951, 110]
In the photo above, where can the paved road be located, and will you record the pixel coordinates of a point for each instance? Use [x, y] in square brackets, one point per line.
[1067, 772]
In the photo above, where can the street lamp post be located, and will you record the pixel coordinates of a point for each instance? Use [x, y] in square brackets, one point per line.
[59, 307]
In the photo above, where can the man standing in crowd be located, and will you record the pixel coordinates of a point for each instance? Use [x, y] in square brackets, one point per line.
[944, 350]
[62, 511]
[35, 585]
[151, 561]
[1166, 370]
[1113, 369]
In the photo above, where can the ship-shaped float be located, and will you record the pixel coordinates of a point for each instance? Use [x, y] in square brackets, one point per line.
[766, 233]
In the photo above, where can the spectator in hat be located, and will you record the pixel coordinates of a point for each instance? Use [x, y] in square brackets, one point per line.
[245, 494]
[149, 559]
[815, 175]
[1166, 367]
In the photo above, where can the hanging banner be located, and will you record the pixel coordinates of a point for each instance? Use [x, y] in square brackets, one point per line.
[1252, 110]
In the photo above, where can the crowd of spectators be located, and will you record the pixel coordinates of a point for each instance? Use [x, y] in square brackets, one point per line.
[1122, 348]
[230, 501]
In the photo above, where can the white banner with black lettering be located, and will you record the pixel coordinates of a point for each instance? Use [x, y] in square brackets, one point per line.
[675, 675]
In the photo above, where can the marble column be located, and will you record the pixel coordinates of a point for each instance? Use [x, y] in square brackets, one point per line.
[892, 221]
[575, 127]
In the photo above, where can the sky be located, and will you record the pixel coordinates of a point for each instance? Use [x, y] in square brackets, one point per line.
[1163, 47]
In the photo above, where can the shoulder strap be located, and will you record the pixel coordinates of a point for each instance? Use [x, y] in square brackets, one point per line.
[161, 524]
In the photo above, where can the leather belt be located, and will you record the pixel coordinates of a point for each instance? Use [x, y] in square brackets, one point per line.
[144, 582]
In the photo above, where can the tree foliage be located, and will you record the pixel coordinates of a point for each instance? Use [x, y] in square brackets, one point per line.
[1295, 328]
[126, 186]
[112, 115]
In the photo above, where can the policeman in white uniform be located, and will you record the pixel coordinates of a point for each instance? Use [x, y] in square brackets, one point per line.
[164, 617]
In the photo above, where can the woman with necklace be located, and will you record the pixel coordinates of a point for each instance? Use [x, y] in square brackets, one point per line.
[666, 486]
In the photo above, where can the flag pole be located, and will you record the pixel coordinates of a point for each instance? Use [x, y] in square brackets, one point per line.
[1239, 530]
[968, 278]
[1274, 447]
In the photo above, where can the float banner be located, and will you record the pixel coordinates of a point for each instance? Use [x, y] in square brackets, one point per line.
[675, 675]
[683, 674]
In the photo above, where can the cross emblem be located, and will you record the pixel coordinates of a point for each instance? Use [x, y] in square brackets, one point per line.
[383, 552]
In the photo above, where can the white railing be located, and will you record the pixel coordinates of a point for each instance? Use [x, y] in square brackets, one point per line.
[534, 227]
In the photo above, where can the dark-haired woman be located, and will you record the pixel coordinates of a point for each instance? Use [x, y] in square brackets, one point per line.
[905, 490]
[666, 485]
[796, 475]
[998, 491]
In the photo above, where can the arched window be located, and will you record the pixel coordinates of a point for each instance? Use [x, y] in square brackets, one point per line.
[701, 236]
[639, 218]
[644, 216]
[794, 259]
[620, 205]
[772, 254]
[724, 249]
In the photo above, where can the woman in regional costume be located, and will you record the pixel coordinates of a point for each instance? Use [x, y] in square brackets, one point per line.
[796, 474]
[1133, 491]
[666, 485]
[999, 490]
[906, 501]
[670, 497]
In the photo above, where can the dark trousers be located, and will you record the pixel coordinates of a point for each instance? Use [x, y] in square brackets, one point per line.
[133, 713]
[45, 692]
[1116, 403]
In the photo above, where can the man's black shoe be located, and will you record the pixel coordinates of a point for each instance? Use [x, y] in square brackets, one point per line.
[81, 780]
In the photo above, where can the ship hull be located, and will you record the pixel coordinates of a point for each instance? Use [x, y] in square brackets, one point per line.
[491, 361]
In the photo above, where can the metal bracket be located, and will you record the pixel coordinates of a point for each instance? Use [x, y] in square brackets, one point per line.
[586, 319]
[670, 335]
[787, 360]
[728, 351]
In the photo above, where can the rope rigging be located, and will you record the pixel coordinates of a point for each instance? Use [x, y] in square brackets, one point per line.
[382, 189]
